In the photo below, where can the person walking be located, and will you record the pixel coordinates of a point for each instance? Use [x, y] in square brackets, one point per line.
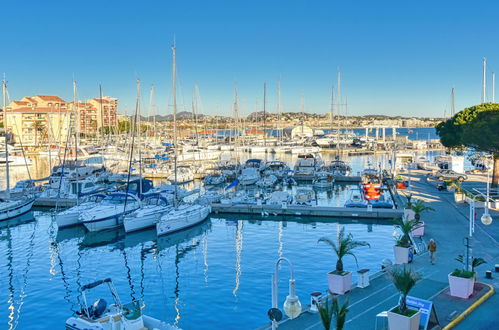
[432, 248]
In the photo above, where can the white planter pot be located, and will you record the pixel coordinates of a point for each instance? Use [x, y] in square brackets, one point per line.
[401, 254]
[401, 322]
[459, 198]
[409, 214]
[418, 231]
[461, 287]
[339, 284]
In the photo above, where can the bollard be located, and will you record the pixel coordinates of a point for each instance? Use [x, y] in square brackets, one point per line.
[363, 280]
[315, 300]
[488, 274]
[497, 268]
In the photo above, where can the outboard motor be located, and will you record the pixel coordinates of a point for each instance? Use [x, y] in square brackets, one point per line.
[98, 308]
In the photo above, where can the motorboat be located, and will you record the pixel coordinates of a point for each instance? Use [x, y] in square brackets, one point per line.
[14, 160]
[214, 179]
[116, 316]
[254, 163]
[183, 175]
[240, 197]
[384, 201]
[306, 166]
[153, 207]
[71, 217]
[356, 199]
[182, 217]
[304, 196]
[267, 181]
[109, 213]
[302, 150]
[323, 180]
[279, 198]
[209, 197]
[276, 167]
[339, 168]
[229, 169]
[249, 176]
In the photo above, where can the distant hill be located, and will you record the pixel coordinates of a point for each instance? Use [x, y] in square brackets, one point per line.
[180, 115]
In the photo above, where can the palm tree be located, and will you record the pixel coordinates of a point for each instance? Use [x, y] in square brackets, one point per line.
[343, 247]
[340, 313]
[419, 207]
[408, 204]
[405, 227]
[404, 279]
[475, 262]
[38, 126]
[326, 313]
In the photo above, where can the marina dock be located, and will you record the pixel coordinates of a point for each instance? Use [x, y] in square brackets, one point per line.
[306, 210]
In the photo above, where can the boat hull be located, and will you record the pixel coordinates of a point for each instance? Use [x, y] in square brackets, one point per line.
[171, 225]
[16, 210]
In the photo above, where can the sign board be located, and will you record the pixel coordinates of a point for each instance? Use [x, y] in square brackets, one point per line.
[428, 315]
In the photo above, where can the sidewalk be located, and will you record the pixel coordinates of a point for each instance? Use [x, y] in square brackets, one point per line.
[448, 226]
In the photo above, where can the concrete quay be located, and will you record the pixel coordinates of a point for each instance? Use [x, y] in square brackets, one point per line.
[448, 226]
[306, 210]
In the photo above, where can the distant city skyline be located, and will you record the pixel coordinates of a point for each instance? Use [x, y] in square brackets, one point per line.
[395, 58]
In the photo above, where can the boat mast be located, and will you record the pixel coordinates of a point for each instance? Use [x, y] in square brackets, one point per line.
[264, 116]
[139, 136]
[279, 127]
[174, 91]
[101, 114]
[452, 104]
[7, 170]
[484, 80]
[153, 108]
[332, 108]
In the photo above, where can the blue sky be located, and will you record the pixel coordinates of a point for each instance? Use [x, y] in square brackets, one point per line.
[396, 57]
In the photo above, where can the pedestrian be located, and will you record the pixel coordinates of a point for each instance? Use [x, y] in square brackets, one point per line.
[432, 248]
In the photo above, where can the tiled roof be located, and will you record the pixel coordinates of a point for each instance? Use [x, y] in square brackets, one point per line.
[50, 98]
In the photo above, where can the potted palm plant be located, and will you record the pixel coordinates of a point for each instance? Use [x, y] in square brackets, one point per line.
[419, 207]
[458, 192]
[340, 281]
[462, 281]
[403, 241]
[400, 317]
[327, 311]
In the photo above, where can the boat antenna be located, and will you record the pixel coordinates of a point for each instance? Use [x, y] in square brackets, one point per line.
[174, 91]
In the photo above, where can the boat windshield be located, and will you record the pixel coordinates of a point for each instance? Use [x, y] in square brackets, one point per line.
[117, 199]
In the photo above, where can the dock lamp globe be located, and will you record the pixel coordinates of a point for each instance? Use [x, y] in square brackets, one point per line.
[486, 219]
[292, 305]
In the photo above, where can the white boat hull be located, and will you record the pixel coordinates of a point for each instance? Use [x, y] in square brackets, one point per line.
[172, 223]
[138, 222]
[9, 210]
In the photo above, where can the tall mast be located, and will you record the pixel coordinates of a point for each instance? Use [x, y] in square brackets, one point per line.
[332, 107]
[153, 107]
[264, 114]
[493, 87]
[279, 129]
[195, 112]
[236, 116]
[338, 111]
[174, 91]
[302, 107]
[137, 122]
[7, 169]
[77, 121]
[484, 80]
[101, 114]
[452, 104]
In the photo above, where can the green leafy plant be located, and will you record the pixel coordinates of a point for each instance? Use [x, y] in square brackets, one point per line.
[326, 313]
[462, 273]
[404, 279]
[408, 204]
[475, 262]
[336, 310]
[419, 207]
[458, 185]
[342, 247]
[405, 227]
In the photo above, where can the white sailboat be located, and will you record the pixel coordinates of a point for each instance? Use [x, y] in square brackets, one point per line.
[153, 207]
[185, 215]
[71, 217]
[10, 207]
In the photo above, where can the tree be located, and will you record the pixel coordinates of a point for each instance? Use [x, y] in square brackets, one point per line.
[344, 246]
[476, 127]
[38, 126]
[404, 279]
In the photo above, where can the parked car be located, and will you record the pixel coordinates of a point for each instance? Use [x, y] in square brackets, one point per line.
[450, 175]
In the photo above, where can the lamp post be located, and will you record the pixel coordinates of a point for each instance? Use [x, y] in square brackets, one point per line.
[486, 218]
[292, 305]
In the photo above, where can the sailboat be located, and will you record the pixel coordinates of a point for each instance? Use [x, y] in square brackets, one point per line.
[185, 215]
[11, 207]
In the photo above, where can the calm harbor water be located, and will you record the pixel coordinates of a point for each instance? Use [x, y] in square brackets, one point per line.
[216, 275]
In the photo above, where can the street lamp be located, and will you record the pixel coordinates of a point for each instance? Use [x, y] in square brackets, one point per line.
[292, 305]
[486, 218]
